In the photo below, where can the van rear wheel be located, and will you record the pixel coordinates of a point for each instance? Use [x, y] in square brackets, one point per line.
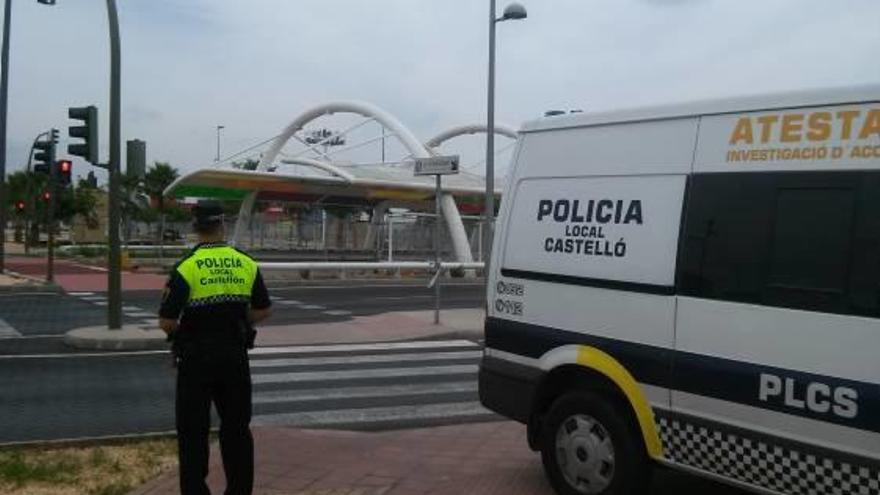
[590, 448]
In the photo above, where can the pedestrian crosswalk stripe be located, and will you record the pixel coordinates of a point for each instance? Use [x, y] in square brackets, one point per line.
[93, 298]
[373, 346]
[131, 308]
[140, 314]
[7, 330]
[315, 376]
[78, 294]
[312, 306]
[386, 391]
[289, 303]
[370, 358]
[375, 414]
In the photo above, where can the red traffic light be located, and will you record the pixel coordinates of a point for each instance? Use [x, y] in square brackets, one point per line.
[64, 168]
[19, 205]
[47, 196]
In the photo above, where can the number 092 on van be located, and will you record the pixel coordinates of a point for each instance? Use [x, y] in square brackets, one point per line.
[696, 287]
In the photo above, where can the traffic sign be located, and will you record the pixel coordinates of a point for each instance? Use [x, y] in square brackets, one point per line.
[436, 165]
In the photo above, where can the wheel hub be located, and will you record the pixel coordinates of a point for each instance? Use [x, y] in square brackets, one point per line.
[585, 454]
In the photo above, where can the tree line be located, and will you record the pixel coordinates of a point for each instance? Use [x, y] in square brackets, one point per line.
[142, 201]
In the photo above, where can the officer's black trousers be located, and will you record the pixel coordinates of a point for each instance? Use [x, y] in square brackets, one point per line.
[224, 378]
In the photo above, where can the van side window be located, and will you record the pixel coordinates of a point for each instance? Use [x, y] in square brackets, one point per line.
[797, 240]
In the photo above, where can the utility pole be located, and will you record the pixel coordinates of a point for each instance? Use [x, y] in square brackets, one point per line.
[50, 207]
[4, 105]
[4, 100]
[114, 275]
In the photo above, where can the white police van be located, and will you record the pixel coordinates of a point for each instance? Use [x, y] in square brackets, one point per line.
[696, 287]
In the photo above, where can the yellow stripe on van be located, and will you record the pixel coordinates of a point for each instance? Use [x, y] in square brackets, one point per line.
[595, 359]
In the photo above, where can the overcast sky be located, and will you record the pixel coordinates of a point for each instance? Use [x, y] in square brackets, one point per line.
[254, 65]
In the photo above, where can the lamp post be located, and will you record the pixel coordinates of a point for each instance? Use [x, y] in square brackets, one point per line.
[513, 12]
[219, 128]
[4, 100]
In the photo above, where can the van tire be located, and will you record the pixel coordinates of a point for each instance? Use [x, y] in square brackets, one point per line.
[597, 426]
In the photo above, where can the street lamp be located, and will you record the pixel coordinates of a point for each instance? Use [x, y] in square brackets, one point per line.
[219, 127]
[4, 100]
[513, 12]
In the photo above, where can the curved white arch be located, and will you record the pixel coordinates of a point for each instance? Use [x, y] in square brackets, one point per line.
[416, 149]
[462, 130]
[326, 167]
[413, 145]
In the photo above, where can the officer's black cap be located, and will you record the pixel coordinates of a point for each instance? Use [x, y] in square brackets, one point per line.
[207, 213]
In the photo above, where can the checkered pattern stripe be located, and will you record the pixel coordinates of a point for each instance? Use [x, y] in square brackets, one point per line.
[223, 298]
[781, 468]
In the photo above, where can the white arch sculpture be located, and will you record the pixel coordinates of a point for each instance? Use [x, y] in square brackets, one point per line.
[416, 149]
[462, 130]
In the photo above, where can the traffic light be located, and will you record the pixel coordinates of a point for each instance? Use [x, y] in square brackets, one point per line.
[88, 132]
[43, 155]
[63, 171]
[46, 196]
[19, 206]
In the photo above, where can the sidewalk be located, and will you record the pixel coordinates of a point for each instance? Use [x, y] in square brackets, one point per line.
[384, 327]
[485, 458]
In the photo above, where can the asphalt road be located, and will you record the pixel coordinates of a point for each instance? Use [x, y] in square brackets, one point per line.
[368, 387]
[43, 317]
[75, 395]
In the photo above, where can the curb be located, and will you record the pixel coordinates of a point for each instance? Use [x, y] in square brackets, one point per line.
[128, 338]
[33, 284]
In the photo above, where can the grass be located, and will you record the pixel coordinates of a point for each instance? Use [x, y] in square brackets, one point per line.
[112, 469]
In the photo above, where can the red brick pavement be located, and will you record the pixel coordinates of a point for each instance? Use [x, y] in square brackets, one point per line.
[471, 459]
[485, 458]
[74, 276]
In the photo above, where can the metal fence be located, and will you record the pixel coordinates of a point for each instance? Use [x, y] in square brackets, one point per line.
[395, 237]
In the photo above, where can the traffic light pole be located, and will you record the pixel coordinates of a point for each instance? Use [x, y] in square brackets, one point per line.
[114, 275]
[50, 213]
[4, 100]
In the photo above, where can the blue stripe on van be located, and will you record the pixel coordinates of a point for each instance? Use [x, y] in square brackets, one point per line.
[719, 378]
[599, 283]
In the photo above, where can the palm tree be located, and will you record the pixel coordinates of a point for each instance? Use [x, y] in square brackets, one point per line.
[156, 180]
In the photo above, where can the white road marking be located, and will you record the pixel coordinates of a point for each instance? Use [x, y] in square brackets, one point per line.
[371, 286]
[132, 308]
[375, 414]
[81, 293]
[310, 376]
[385, 391]
[371, 358]
[312, 306]
[371, 346]
[41, 336]
[289, 303]
[396, 298]
[82, 355]
[140, 314]
[7, 330]
[336, 312]
[261, 351]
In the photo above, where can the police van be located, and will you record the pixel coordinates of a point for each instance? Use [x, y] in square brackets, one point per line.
[695, 287]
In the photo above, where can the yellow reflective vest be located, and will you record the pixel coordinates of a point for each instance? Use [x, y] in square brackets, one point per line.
[218, 273]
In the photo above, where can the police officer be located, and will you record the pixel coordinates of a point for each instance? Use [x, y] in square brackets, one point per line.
[213, 297]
